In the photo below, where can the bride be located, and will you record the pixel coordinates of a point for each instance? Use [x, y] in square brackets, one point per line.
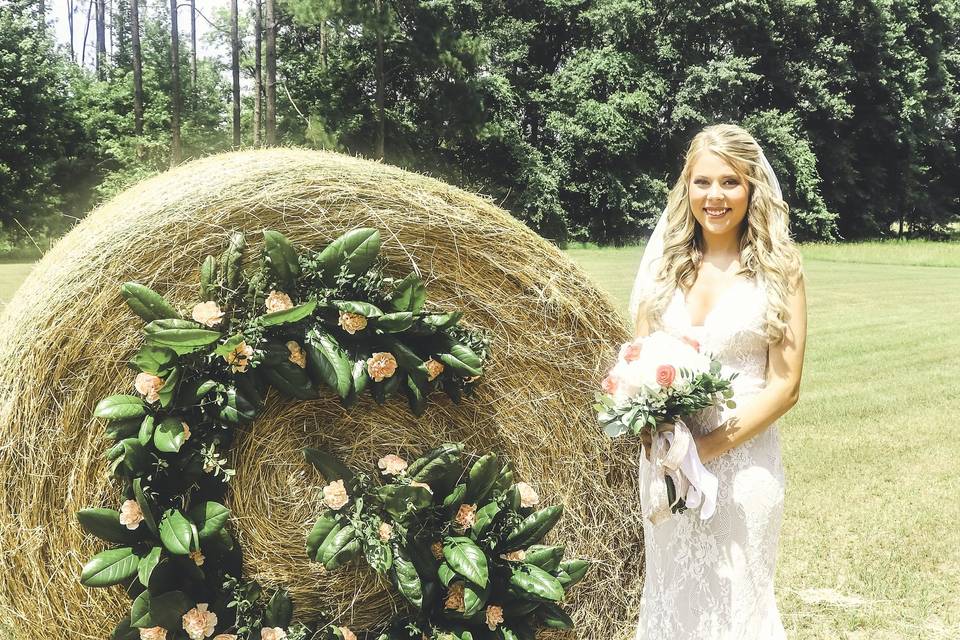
[722, 270]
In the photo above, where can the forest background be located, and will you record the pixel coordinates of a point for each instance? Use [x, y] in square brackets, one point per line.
[571, 114]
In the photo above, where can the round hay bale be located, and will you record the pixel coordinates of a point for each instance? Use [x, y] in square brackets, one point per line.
[66, 336]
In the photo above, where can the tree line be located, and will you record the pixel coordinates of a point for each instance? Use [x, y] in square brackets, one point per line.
[572, 114]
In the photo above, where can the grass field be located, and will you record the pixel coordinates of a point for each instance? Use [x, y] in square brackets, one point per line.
[870, 547]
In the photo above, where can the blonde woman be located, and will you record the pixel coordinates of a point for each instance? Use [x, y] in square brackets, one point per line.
[721, 269]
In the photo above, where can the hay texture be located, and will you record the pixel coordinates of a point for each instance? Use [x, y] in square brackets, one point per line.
[67, 335]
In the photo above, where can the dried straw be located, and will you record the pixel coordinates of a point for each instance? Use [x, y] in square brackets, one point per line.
[66, 336]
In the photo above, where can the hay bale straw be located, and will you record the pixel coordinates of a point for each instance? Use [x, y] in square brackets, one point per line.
[67, 335]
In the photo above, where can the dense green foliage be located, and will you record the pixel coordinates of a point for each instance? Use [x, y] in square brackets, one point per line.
[573, 114]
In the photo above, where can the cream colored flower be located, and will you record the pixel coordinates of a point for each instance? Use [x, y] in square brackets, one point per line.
[494, 616]
[278, 301]
[335, 495]
[297, 355]
[391, 465]
[528, 497]
[422, 484]
[225, 636]
[186, 430]
[515, 556]
[465, 518]
[352, 322]
[153, 633]
[385, 531]
[434, 368]
[381, 365]
[347, 634]
[437, 550]
[454, 599]
[199, 623]
[239, 358]
[148, 385]
[130, 514]
[207, 313]
[272, 633]
[197, 557]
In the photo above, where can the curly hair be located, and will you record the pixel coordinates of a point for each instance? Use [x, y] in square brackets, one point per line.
[767, 251]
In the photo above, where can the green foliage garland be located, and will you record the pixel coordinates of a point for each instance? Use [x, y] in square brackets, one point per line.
[294, 322]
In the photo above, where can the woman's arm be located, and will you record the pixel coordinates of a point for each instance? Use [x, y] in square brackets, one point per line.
[641, 330]
[784, 368]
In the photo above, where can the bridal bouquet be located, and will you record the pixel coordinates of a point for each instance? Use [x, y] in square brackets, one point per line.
[658, 381]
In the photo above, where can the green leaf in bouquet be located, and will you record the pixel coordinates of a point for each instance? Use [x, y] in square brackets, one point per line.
[436, 463]
[124, 631]
[533, 528]
[485, 517]
[146, 506]
[553, 617]
[731, 404]
[105, 524]
[393, 322]
[147, 564]
[231, 261]
[474, 598]
[135, 457]
[446, 574]
[467, 559]
[406, 577]
[364, 309]
[208, 279]
[177, 533]
[437, 322]
[169, 435]
[325, 525]
[379, 556]
[279, 611]
[346, 554]
[463, 360]
[290, 380]
[110, 567]
[482, 477]
[397, 499]
[167, 609]
[409, 294]
[327, 362]
[289, 316]
[203, 389]
[574, 571]
[416, 389]
[281, 259]
[547, 557]
[328, 465]
[209, 517]
[337, 540]
[182, 336]
[154, 360]
[120, 407]
[406, 357]
[147, 303]
[140, 611]
[145, 433]
[614, 429]
[357, 249]
[237, 408]
[537, 583]
[455, 498]
[229, 345]
[121, 429]
[169, 387]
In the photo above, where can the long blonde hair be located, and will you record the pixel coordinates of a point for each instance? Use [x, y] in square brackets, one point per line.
[767, 252]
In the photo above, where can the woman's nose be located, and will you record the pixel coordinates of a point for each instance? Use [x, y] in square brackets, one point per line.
[714, 190]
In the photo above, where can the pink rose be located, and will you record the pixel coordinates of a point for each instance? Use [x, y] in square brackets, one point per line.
[277, 301]
[385, 531]
[149, 385]
[434, 368]
[199, 623]
[610, 385]
[352, 322]
[381, 365]
[528, 496]
[391, 465]
[130, 514]
[153, 633]
[335, 495]
[465, 518]
[665, 375]
[494, 616]
[207, 313]
[632, 352]
[297, 355]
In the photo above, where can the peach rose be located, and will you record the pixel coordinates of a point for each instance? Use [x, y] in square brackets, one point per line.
[381, 365]
[197, 558]
[148, 385]
[225, 636]
[454, 599]
[186, 430]
[632, 352]
[528, 496]
[207, 313]
[297, 355]
[437, 550]
[434, 368]
[392, 465]
[385, 531]
[610, 384]
[494, 616]
[514, 556]
[278, 301]
[352, 322]
[335, 495]
[665, 375]
[272, 633]
[347, 634]
[465, 518]
[239, 358]
[199, 623]
[130, 514]
[153, 633]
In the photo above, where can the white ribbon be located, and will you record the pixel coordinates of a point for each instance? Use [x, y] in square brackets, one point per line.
[673, 452]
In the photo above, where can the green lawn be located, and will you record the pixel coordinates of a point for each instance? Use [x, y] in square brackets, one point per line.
[870, 540]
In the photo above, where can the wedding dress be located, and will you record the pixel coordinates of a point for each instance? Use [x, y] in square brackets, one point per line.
[713, 579]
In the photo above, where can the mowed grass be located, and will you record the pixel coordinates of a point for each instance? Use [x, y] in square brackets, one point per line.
[870, 546]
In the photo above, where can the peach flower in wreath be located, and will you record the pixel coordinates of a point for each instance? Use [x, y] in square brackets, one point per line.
[148, 385]
[454, 599]
[391, 465]
[347, 634]
[335, 495]
[199, 623]
[528, 496]
[225, 636]
[385, 531]
[515, 556]
[277, 301]
[494, 616]
[130, 514]
[272, 633]
[434, 368]
[186, 430]
[352, 322]
[465, 518]
[297, 355]
[239, 358]
[381, 365]
[207, 313]
[153, 633]
[437, 550]
[665, 375]
[197, 557]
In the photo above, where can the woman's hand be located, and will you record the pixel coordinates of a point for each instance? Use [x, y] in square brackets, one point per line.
[702, 449]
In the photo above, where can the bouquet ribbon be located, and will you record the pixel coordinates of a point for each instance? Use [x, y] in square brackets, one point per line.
[674, 453]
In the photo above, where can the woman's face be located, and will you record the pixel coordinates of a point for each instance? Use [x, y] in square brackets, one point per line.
[718, 196]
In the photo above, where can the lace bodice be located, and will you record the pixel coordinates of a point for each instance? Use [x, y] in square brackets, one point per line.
[713, 579]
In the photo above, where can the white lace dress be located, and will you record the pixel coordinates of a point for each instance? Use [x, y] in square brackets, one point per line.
[713, 579]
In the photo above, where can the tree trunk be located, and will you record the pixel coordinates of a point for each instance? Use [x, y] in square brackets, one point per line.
[86, 32]
[271, 74]
[235, 65]
[137, 67]
[71, 8]
[257, 72]
[380, 82]
[323, 44]
[101, 39]
[176, 153]
[193, 52]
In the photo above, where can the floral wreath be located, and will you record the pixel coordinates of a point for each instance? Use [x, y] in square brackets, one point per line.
[295, 322]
